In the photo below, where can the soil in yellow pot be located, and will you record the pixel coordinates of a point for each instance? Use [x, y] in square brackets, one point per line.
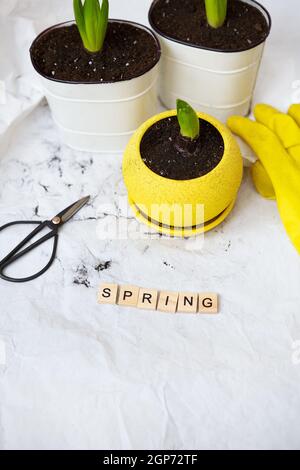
[182, 191]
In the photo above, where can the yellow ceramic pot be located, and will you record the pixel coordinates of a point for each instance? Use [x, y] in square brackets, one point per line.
[216, 191]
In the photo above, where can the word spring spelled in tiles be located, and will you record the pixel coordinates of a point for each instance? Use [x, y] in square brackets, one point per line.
[152, 299]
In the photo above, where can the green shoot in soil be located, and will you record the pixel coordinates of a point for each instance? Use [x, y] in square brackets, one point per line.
[92, 20]
[188, 120]
[216, 11]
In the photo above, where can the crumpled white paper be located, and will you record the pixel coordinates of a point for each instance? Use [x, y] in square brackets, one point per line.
[20, 88]
[74, 375]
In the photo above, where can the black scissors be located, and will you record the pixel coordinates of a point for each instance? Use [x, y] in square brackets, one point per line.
[54, 225]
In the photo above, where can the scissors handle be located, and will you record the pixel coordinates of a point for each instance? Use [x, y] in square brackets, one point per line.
[16, 254]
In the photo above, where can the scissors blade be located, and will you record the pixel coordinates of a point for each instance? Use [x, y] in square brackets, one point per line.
[70, 211]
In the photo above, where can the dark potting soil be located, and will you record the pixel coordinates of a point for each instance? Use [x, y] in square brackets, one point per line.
[185, 20]
[128, 52]
[166, 153]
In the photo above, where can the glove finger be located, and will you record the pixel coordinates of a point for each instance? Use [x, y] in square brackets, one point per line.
[287, 130]
[264, 114]
[263, 142]
[289, 206]
[294, 112]
[295, 153]
[262, 181]
[284, 126]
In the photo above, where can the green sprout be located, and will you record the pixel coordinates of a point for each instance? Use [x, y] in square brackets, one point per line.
[216, 12]
[188, 120]
[92, 21]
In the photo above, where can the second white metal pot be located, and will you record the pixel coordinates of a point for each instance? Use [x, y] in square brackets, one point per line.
[217, 83]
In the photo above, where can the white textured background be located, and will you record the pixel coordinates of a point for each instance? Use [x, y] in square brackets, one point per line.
[76, 375]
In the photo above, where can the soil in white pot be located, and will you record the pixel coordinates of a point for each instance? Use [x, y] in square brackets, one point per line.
[128, 52]
[185, 21]
[170, 155]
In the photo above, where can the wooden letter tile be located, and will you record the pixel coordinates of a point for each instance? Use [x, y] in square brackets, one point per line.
[108, 294]
[208, 303]
[147, 299]
[188, 302]
[128, 296]
[167, 302]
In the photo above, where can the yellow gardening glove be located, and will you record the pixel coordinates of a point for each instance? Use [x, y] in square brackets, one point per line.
[265, 115]
[275, 138]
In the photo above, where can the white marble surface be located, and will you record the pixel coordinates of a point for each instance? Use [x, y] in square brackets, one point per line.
[77, 375]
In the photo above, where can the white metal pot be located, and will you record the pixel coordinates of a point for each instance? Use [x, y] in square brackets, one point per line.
[217, 83]
[101, 117]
